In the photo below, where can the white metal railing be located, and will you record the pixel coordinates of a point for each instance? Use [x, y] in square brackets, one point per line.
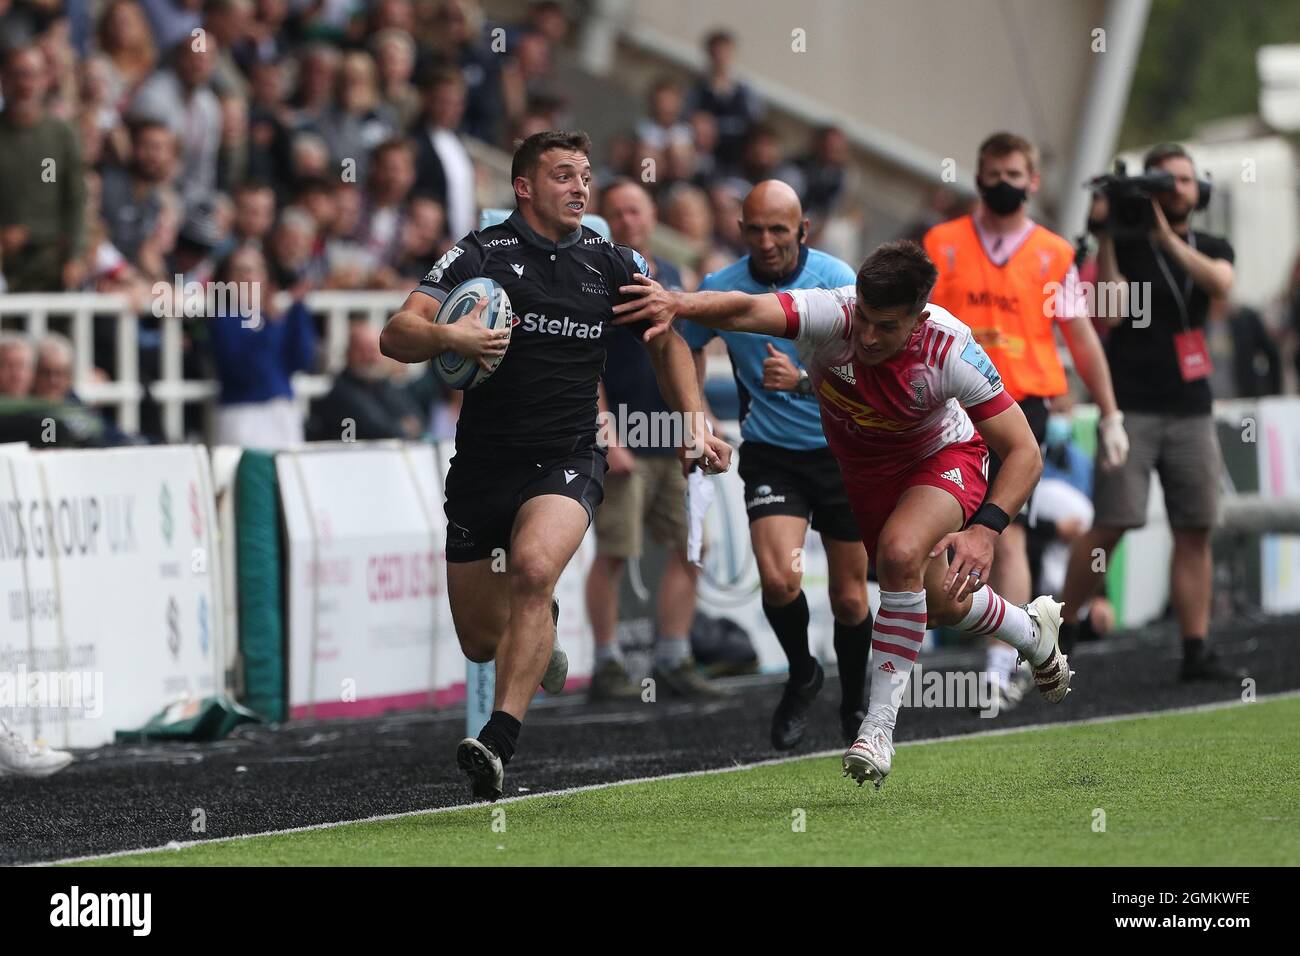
[76, 314]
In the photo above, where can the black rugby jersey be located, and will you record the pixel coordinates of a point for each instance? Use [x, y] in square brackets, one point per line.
[542, 398]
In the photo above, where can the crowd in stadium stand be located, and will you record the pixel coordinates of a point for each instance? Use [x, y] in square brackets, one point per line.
[338, 139]
[332, 137]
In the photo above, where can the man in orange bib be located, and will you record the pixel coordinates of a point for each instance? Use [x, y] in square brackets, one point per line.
[1011, 280]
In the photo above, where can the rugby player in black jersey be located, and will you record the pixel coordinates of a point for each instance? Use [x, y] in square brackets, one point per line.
[528, 472]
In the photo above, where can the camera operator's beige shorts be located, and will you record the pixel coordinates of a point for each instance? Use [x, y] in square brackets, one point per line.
[652, 498]
[1184, 451]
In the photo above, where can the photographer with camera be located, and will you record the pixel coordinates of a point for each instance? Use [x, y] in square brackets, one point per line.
[1168, 274]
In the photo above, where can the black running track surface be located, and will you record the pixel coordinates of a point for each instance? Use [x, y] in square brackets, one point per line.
[266, 778]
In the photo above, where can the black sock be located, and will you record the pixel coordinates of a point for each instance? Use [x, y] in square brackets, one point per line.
[852, 645]
[791, 626]
[501, 733]
[1193, 648]
[1068, 636]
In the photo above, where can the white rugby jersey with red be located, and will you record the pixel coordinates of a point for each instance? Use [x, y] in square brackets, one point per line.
[908, 420]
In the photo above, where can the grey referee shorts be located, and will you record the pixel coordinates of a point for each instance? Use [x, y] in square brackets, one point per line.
[1184, 451]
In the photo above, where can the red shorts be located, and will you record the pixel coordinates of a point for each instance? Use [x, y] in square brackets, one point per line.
[960, 469]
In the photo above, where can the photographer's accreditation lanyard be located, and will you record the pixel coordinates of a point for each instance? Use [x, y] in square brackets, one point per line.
[1193, 354]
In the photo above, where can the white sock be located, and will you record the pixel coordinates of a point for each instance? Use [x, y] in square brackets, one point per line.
[896, 636]
[672, 652]
[609, 652]
[1001, 661]
[991, 616]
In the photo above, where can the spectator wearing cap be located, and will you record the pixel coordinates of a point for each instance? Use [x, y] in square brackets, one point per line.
[196, 245]
[734, 106]
[443, 167]
[42, 218]
[365, 397]
[256, 355]
[180, 96]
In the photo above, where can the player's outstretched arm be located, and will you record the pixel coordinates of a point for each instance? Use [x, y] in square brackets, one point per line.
[730, 311]
[414, 335]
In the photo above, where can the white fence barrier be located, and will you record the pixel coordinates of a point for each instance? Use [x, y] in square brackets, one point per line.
[78, 315]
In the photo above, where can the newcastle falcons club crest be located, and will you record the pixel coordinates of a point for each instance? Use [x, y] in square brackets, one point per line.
[918, 394]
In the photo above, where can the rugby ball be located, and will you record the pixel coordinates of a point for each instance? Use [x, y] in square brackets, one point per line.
[455, 370]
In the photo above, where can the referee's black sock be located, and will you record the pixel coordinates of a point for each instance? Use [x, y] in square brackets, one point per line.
[501, 733]
[791, 626]
[852, 645]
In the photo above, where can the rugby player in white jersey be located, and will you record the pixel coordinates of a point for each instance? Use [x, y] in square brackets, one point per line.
[908, 402]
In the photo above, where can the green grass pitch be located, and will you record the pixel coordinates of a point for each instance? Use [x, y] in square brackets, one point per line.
[1203, 789]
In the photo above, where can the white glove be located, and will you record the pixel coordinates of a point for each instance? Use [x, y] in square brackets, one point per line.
[1113, 440]
[699, 496]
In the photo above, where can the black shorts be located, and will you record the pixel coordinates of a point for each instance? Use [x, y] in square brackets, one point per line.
[485, 494]
[779, 481]
[1036, 413]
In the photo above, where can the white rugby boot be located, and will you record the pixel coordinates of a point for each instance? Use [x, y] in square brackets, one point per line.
[21, 759]
[1051, 668]
[484, 768]
[871, 756]
[557, 669]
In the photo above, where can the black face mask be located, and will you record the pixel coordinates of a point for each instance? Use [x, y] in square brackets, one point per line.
[1003, 198]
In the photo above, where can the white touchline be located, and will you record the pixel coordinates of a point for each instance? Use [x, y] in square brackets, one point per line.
[775, 761]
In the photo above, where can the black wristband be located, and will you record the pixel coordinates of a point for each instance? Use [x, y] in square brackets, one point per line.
[991, 516]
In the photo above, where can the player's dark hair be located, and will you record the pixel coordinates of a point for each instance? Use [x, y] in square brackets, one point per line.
[530, 150]
[1161, 151]
[718, 36]
[897, 274]
[1004, 144]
